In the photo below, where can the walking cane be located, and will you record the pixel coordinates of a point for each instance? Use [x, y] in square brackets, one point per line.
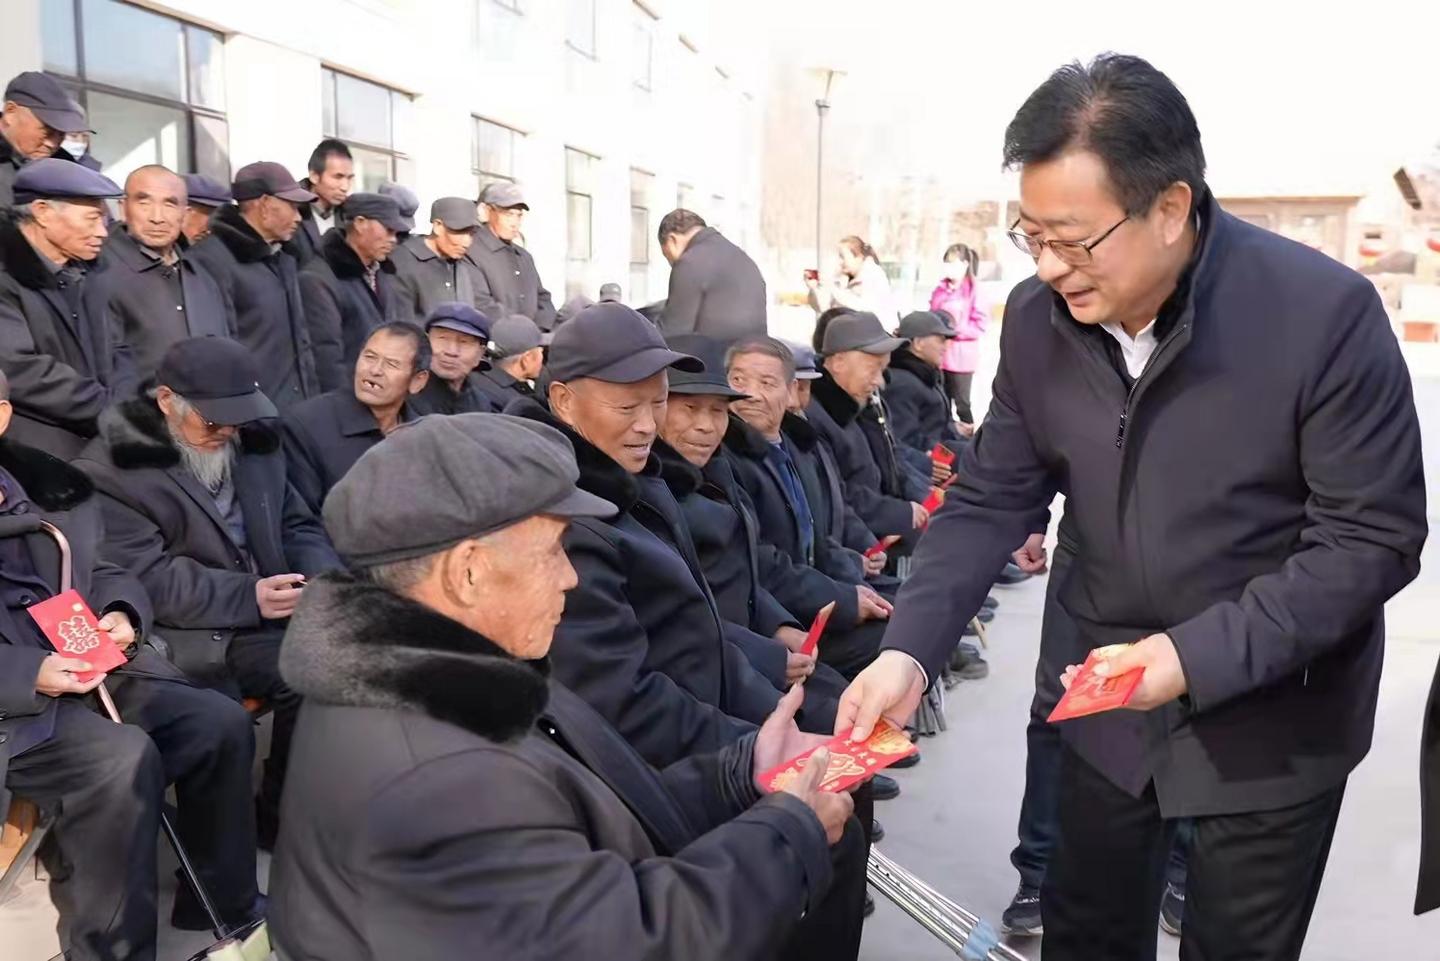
[243, 939]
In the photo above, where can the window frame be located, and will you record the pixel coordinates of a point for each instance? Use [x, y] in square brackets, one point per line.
[400, 159]
[485, 176]
[593, 52]
[81, 86]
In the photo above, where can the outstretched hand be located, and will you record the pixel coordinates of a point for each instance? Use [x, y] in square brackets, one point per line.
[891, 687]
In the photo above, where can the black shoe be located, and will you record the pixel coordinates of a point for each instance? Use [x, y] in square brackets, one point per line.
[877, 832]
[985, 616]
[189, 915]
[990, 602]
[1011, 575]
[884, 788]
[969, 630]
[869, 904]
[967, 663]
[905, 762]
[1022, 917]
[1172, 910]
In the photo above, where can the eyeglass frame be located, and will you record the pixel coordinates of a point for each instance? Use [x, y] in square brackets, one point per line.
[1023, 241]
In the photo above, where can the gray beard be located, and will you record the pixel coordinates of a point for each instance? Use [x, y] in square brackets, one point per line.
[210, 468]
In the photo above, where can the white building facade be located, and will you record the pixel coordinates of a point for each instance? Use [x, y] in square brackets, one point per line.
[609, 113]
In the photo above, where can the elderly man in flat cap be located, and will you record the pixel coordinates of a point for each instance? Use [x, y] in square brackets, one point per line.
[37, 114]
[509, 282]
[348, 288]
[438, 268]
[448, 797]
[643, 639]
[54, 347]
[204, 196]
[517, 355]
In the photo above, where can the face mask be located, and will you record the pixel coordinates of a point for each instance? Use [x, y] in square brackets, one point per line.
[75, 148]
[957, 269]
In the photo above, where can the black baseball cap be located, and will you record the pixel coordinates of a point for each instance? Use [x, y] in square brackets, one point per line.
[711, 381]
[48, 100]
[453, 315]
[377, 207]
[924, 323]
[404, 198]
[219, 377]
[613, 343]
[514, 335]
[63, 179]
[456, 213]
[858, 331]
[265, 177]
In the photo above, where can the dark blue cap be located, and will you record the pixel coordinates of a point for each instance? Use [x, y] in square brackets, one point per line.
[613, 343]
[711, 381]
[806, 367]
[48, 100]
[206, 191]
[454, 315]
[61, 179]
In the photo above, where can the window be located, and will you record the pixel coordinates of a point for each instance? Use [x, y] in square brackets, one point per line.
[158, 97]
[374, 121]
[493, 155]
[579, 200]
[641, 184]
[580, 26]
[642, 48]
[685, 196]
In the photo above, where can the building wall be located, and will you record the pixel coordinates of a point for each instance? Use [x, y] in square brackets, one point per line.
[461, 59]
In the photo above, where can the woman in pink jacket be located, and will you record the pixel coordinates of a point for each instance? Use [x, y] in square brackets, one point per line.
[959, 296]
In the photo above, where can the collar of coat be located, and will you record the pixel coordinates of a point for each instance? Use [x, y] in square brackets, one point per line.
[799, 431]
[19, 258]
[599, 474]
[354, 643]
[832, 398]
[905, 359]
[123, 247]
[744, 440]
[235, 232]
[49, 482]
[135, 434]
[682, 477]
[343, 259]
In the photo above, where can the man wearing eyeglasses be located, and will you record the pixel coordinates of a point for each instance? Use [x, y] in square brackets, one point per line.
[196, 503]
[1231, 421]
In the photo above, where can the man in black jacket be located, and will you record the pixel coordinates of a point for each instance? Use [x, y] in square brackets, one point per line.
[438, 269]
[517, 355]
[915, 396]
[153, 290]
[55, 349]
[197, 504]
[326, 435]
[107, 780]
[1231, 421]
[445, 795]
[509, 282]
[349, 289]
[330, 176]
[458, 334]
[715, 288]
[642, 639]
[37, 114]
[243, 253]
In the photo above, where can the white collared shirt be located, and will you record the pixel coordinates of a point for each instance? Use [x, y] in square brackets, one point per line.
[323, 224]
[1137, 349]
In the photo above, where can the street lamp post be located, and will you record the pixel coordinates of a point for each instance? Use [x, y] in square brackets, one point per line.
[822, 107]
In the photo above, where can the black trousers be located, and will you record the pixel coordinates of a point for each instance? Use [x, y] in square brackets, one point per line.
[1252, 878]
[253, 660]
[831, 930]
[958, 387]
[108, 781]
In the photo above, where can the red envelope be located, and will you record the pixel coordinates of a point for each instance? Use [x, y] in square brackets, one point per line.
[882, 545]
[1091, 694]
[849, 763]
[74, 631]
[817, 627]
[942, 455]
[933, 502]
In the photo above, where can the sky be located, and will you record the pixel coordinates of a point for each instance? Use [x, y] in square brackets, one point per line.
[1291, 98]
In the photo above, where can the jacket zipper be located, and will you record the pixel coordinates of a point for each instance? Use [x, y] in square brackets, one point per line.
[1130, 396]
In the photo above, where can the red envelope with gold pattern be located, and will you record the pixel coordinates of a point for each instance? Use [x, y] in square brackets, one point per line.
[74, 632]
[1091, 694]
[942, 455]
[817, 627]
[849, 763]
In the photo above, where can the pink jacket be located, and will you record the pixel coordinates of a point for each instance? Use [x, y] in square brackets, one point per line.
[970, 316]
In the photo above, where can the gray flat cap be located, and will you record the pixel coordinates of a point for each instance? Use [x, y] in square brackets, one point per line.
[443, 478]
[503, 195]
[858, 331]
[924, 323]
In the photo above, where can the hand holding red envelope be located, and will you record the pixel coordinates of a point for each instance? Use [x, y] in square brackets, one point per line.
[817, 627]
[71, 627]
[850, 763]
[1090, 694]
[882, 545]
[942, 455]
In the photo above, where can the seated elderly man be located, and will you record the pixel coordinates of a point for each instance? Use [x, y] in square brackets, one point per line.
[642, 639]
[326, 435]
[448, 798]
[107, 780]
[458, 334]
[196, 504]
[920, 411]
[517, 355]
